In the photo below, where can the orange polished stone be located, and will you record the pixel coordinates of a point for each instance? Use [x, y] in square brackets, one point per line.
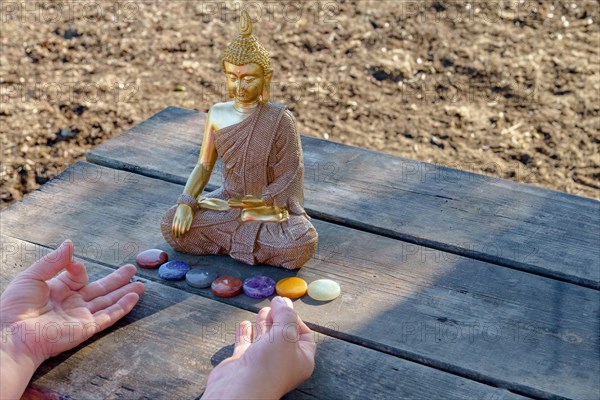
[291, 287]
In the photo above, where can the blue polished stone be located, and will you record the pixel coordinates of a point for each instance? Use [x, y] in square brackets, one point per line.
[173, 270]
[259, 287]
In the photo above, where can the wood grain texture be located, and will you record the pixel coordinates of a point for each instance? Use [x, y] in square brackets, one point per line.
[170, 342]
[533, 335]
[546, 232]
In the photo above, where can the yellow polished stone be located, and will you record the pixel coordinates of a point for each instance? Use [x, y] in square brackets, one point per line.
[291, 287]
[324, 290]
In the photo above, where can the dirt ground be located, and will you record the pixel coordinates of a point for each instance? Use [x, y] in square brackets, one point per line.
[509, 89]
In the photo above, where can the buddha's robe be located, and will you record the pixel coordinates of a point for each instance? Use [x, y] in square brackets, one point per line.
[261, 156]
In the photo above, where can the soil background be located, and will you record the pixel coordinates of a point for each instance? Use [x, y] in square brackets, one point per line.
[509, 88]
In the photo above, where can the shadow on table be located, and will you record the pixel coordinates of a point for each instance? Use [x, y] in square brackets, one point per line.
[483, 321]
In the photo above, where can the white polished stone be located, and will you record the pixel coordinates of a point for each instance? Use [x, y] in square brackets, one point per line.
[324, 290]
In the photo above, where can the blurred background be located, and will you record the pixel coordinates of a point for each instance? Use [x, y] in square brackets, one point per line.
[509, 89]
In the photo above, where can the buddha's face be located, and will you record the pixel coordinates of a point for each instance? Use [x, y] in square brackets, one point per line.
[245, 82]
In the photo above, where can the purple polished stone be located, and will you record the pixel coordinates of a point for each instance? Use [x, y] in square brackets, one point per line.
[259, 287]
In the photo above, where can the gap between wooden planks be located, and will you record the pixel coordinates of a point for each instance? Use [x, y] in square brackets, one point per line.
[546, 232]
[169, 343]
[488, 323]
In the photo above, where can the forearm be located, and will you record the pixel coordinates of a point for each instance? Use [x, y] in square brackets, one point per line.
[16, 370]
[198, 179]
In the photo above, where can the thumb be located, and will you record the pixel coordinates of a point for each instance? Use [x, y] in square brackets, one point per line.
[52, 263]
[285, 319]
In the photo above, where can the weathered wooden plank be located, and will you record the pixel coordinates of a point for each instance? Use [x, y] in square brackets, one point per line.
[546, 232]
[169, 344]
[533, 335]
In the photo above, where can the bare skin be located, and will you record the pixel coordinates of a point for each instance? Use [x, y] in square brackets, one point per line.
[245, 84]
[279, 348]
[270, 358]
[66, 307]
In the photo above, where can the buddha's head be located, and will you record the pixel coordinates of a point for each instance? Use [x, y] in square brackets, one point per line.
[247, 66]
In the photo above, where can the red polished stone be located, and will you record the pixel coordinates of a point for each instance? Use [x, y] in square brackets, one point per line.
[226, 286]
[151, 259]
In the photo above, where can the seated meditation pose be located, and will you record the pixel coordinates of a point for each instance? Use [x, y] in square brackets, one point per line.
[257, 216]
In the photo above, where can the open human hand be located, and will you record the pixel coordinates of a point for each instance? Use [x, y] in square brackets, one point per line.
[182, 220]
[270, 358]
[43, 315]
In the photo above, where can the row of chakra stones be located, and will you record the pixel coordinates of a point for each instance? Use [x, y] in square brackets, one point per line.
[257, 287]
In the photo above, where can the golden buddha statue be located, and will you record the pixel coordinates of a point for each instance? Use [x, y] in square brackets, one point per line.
[257, 216]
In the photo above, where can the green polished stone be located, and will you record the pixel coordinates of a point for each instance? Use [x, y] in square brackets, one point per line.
[324, 290]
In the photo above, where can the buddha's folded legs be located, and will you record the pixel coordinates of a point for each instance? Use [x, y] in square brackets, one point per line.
[210, 233]
[289, 244]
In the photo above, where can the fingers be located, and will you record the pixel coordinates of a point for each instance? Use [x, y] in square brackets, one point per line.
[175, 227]
[181, 226]
[264, 321]
[177, 221]
[182, 221]
[188, 225]
[51, 264]
[109, 283]
[243, 338]
[112, 297]
[75, 277]
[108, 316]
[103, 302]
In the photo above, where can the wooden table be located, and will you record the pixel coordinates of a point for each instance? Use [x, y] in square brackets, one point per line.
[454, 285]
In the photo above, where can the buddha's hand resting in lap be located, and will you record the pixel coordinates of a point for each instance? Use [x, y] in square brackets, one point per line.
[247, 201]
[265, 213]
[182, 220]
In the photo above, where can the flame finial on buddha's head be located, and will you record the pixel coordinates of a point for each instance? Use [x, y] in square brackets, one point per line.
[245, 49]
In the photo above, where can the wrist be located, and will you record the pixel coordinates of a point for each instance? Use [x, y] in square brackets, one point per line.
[188, 200]
[14, 346]
[18, 365]
[242, 386]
